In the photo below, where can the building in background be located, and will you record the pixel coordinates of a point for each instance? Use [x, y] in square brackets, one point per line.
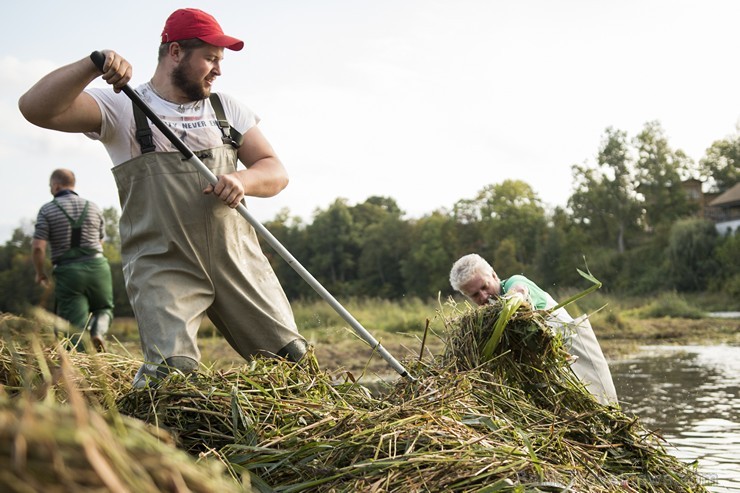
[724, 210]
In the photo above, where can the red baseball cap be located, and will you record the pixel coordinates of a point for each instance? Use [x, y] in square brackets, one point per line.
[194, 23]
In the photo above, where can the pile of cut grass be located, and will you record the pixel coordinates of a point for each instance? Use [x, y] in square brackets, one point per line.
[500, 410]
[57, 437]
[31, 359]
[48, 447]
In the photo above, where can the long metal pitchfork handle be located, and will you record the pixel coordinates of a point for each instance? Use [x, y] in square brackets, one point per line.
[99, 60]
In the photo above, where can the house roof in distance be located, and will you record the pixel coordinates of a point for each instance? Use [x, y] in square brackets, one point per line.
[729, 197]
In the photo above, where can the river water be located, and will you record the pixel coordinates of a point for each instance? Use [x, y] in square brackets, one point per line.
[691, 396]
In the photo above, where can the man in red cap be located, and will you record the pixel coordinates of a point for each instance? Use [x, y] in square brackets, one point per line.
[186, 252]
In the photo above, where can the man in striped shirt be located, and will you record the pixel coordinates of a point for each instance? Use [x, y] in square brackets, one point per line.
[75, 228]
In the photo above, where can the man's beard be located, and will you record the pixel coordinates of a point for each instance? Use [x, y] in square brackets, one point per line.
[181, 78]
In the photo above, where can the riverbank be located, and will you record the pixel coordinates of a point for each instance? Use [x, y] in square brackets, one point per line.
[337, 349]
[400, 328]
[619, 342]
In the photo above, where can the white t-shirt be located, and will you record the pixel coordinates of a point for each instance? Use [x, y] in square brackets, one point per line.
[193, 123]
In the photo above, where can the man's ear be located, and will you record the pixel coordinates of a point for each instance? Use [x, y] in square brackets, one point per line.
[175, 51]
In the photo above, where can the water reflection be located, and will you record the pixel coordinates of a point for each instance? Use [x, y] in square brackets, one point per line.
[691, 395]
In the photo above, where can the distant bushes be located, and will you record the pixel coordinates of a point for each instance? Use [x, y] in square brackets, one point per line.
[670, 304]
[406, 315]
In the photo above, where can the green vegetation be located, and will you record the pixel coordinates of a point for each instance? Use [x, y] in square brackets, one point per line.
[629, 220]
[621, 324]
[670, 305]
[508, 416]
[406, 315]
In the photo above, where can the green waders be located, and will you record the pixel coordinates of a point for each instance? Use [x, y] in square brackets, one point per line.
[186, 254]
[83, 285]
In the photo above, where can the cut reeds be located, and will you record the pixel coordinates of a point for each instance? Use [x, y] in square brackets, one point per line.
[46, 447]
[516, 418]
[511, 417]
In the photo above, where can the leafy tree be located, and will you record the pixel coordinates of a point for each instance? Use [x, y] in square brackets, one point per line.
[18, 288]
[382, 237]
[660, 171]
[690, 253]
[375, 207]
[604, 201]
[504, 259]
[727, 254]
[608, 266]
[291, 233]
[384, 245]
[20, 241]
[467, 211]
[642, 270]
[332, 247]
[513, 210]
[563, 247]
[426, 268]
[112, 244]
[550, 256]
[469, 230]
[721, 164]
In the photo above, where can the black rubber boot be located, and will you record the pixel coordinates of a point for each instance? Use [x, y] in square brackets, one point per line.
[294, 350]
[180, 363]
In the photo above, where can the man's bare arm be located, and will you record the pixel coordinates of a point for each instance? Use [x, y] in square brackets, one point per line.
[58, 100]
[265, 175]
[38, 256]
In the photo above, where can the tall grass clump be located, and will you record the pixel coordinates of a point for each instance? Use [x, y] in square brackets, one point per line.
[61, 432]
[46, 446]
[725, 297]
[407, 314]
[670, 304]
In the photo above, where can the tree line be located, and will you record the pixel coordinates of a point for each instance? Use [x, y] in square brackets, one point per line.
[628, 220]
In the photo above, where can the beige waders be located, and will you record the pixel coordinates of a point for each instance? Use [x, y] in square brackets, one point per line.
[589, 363]
[186, 254]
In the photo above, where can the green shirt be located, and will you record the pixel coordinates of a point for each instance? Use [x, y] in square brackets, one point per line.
[536, 294]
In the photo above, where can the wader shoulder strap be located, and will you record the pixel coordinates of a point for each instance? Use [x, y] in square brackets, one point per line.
[143, 131]
[228, 134]
[75, 224]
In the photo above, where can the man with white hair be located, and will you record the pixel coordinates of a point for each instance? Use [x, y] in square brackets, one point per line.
[475, 278]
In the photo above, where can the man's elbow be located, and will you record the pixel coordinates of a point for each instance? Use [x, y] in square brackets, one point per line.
[276, 185]
[279, 180]
[32, 112]
[26, 107]
[283, 182]
[38, 256]
[38, 246]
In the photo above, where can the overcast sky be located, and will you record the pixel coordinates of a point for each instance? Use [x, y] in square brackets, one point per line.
[422, 101]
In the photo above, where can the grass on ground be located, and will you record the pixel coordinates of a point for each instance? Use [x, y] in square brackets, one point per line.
[622, 326]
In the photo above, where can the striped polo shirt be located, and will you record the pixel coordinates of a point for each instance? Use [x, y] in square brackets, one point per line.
[53, 226]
